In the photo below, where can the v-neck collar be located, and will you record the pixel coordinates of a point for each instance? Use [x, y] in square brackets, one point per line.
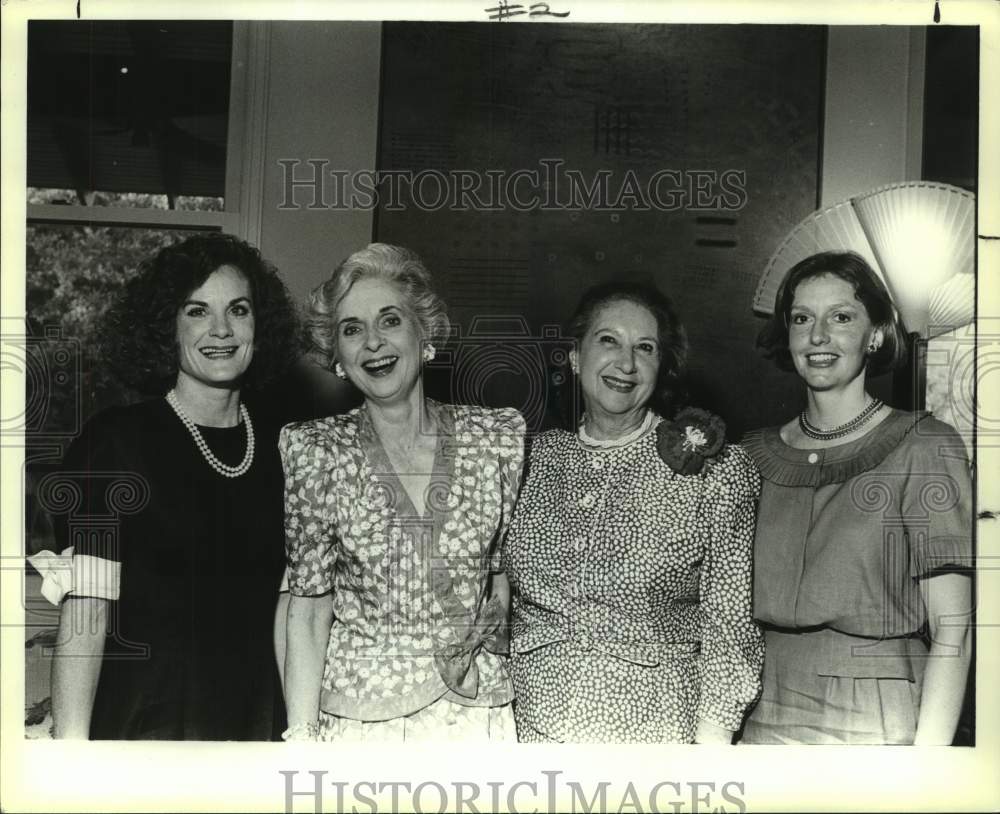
[441, 471]
[466, 629]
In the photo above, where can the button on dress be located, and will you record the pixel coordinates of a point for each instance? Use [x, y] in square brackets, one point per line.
[631, 594]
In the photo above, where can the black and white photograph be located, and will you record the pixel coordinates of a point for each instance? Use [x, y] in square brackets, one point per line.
[500, 406]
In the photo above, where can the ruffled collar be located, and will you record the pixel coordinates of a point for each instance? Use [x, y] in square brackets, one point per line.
[787, 466]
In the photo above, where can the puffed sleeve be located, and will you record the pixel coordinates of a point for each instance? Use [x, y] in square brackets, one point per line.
[732, 647]
[510, 437]
[937, 500]
[310, 544]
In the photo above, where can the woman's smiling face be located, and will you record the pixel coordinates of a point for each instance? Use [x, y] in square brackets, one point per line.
[619, 359]
[215, 330]
[378, 340]
[829, 332]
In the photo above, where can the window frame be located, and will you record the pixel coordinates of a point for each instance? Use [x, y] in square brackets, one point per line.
[245, 148]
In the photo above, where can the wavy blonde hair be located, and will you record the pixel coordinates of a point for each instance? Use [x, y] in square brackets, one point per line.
[398, 265]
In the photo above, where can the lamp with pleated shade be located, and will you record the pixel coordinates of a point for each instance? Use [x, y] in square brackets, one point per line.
[918, 236]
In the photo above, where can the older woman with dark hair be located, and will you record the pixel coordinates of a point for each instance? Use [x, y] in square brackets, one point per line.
[173, 511]
[863, 531]
[394, 515]
[629, 553]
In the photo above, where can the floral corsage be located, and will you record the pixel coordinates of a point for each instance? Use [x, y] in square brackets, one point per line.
[690, 439]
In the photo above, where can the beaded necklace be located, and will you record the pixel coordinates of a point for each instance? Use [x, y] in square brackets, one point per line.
[855, 423]
[206, 453]
[615, 443]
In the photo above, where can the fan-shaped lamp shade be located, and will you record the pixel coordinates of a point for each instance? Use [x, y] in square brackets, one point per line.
[918, 236]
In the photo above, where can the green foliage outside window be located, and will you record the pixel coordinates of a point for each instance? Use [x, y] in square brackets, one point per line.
[73, 273]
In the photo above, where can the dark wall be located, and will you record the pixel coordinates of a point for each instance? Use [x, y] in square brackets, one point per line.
[951, 106]
[733, 112]
[950, 155]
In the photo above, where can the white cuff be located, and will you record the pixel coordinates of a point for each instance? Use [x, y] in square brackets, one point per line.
[78, 574]
[56, 571]
[96, 577]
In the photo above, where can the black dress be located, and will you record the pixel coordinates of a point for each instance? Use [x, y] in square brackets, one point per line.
[189, 650]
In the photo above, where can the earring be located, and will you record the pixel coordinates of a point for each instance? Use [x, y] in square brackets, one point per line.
[338, 369]
[429, 352]
[872, 346]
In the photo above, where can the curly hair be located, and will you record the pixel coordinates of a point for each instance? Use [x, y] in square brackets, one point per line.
[669, 392]
[400, 266]
[869, 290]
[139, 336]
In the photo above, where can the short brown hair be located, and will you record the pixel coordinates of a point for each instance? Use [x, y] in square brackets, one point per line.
[868, 290]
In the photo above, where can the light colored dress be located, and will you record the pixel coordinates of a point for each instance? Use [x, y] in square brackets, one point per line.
[413, 628]
[631, 594]
[844, 535]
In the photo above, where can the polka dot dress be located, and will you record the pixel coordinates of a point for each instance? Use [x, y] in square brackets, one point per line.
[632, 594]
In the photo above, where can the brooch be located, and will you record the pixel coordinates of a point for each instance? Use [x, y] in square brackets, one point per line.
[690, 439]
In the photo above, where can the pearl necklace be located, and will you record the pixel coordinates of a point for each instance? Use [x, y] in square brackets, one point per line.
[855, 423]
[615, 443]
[206, 453]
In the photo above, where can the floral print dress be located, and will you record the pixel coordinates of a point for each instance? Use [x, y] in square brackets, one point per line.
[412, 622]
[632, 593]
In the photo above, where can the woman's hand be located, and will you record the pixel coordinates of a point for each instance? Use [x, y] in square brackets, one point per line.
[77, 665]
[499, 642]
[948, 599]
[711, 733]
[309, 621]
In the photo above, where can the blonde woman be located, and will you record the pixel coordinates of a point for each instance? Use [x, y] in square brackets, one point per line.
[394, 514]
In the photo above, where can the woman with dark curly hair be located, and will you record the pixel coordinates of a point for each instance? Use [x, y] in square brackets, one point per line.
[629, 552]
[863, 531]
[173, 511]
